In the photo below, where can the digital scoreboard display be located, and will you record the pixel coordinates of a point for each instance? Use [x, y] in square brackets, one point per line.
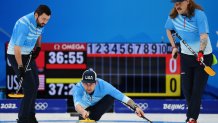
[60, 67]
[145, 69]
[136, 69]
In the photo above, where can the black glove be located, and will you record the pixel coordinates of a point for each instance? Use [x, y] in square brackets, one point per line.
[175, 53]
[20, 73]
[35, 52]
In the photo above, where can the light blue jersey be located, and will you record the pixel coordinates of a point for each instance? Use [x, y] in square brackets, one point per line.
[102, 88]
[25, 34]
[190, 29]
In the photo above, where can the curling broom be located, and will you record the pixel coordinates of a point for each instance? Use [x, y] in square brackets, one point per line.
[207, 69]
[17, 94]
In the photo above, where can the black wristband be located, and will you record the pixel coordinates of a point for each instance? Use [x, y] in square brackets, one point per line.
[134, 106]
[20, 66]
[38, 49]
[201, 51]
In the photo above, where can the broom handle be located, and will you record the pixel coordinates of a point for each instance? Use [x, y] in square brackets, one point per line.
[21, 79]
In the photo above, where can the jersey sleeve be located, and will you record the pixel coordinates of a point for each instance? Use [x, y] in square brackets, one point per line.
[169, 24]
[20, 33]
[112, 91]
[77, 96]
[202, 22]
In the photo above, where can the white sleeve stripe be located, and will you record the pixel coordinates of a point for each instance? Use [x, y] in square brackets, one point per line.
[181, 28]
[33, 35]
[31, 25]
[29, 38]
[187, 23]
[125, 99]
[21, 21]
[26, 19]
[178, 23]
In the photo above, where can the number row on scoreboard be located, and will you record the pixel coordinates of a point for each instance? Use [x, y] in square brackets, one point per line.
[127, 48]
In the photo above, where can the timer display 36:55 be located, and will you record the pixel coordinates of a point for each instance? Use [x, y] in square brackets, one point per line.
[65, 57]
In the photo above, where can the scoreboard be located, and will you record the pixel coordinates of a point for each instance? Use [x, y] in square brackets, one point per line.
[145, 69]
[136, 69]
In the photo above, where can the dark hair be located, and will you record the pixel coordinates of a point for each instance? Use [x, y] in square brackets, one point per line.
[43, 9]
[191, 8]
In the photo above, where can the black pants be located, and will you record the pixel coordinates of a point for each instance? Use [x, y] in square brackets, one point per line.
[101, 107]
[30, 87]
[194, 80]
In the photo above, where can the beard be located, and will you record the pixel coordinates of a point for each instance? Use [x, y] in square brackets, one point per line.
[40, 25]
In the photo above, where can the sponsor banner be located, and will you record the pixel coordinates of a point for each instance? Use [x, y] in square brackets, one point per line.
[166, 106]
[41, 105]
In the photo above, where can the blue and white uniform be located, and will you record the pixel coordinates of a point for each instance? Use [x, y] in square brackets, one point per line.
[190, 29]
[102, 89]
[25, 34]
[193, 76]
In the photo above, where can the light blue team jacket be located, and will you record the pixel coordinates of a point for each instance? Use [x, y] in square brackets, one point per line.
[25, 34]
[102, 88]
[190, 30]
